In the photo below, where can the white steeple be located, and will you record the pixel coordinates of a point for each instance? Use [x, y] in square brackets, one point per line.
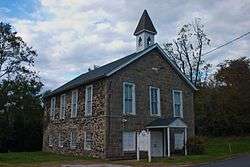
[145, 32]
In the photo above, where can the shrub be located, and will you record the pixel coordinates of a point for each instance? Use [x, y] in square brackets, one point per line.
[196, 145]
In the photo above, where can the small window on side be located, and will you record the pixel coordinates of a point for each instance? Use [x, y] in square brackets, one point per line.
[50, 138]
[52, 108]
[73, 139]
[88, 100]
[87, 140]
[74, 100]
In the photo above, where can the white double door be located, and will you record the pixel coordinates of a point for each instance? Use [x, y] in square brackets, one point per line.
[156, 144]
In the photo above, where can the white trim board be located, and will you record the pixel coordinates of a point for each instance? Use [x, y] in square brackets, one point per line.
[164, 55]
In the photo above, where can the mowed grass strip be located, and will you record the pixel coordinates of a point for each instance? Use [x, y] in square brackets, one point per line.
[216, 149]
[37, 157]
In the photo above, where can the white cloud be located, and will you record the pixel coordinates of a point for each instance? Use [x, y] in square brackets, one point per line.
[72, 35]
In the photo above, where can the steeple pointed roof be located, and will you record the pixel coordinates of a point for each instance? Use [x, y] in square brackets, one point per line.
[145, 24]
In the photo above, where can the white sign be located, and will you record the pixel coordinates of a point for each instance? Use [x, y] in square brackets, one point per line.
[143, 141]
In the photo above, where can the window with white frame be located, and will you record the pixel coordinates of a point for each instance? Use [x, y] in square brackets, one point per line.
[155, 106]
[87, 140]
[73, 138]
[62, 106]
[128, 98]
[88, 100]
[177, 103]
[50, 140]
[74, 100]
[52, 107]
[128, 141]
[60, 140]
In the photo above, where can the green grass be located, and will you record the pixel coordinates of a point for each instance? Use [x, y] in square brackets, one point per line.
[216, 149]
[36, 158]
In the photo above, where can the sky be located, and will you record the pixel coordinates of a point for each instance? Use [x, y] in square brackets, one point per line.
[72, 35]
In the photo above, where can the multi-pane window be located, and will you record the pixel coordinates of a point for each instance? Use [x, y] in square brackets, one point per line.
[73, 139]
[50, 140]
[52, 107]
[154, 94]
[74, 100]
[62, 106]
[177, 103]
[60, 140]
[87, 140]
[128, 141]
[128, 98]
[88, 100]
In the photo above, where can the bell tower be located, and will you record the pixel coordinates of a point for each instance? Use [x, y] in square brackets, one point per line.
[144, 32]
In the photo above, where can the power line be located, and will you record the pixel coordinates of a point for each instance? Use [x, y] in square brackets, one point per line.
[227, 43]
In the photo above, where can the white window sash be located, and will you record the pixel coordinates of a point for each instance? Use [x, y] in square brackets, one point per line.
[133, 99]
[125, 136]
[62, 106]
[60, 142]
[74, 113]
[88, 113]
[87, 142]
[181, 104]
[158, 102]
[50, 141]
[73, 139]
[52, 107]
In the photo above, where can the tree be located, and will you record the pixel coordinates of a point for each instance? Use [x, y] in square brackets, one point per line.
[223, 106]
[20, 100]
[16, 58]
[186, 51]
[22, 116]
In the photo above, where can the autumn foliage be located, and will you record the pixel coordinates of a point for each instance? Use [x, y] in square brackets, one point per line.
[222, 106]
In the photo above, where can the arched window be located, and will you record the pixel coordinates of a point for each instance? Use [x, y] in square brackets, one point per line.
[139, 41]
[148, 41]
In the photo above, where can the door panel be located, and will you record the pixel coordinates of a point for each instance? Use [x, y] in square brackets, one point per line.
[178, 141]
[156, 144]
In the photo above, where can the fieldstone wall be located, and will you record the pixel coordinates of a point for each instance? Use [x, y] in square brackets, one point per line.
[94, 124]
[108, 122]
[142, 75]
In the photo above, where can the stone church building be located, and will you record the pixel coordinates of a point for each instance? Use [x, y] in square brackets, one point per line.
[100, 112]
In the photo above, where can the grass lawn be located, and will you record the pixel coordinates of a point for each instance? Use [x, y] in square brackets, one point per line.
[217, 148]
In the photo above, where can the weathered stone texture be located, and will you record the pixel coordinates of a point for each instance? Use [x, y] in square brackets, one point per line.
[94, 124]
[108, 122]
[142, 75]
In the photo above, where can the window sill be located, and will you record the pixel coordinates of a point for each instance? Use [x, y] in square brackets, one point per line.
[73, 147]
[154, 115]
[87, 116]
[178, 117]
[126, 114]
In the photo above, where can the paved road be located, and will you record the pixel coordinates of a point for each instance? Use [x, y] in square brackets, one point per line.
[242, 161]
